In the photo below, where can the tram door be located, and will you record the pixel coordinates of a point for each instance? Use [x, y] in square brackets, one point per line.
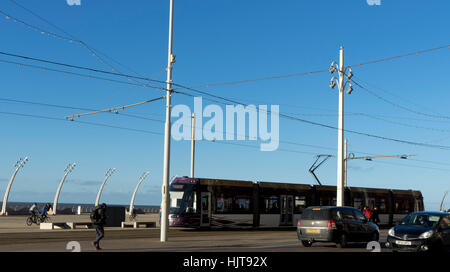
[287, 210]
[205, 213]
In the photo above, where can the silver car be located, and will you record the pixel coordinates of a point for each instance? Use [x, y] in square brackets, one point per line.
[340, 225]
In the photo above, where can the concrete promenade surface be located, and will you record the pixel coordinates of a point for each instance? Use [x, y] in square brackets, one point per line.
[16, 237]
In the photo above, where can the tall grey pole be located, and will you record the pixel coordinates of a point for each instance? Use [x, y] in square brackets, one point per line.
[193, 146]
[166, 171]
[141, 179]
[107, 175]
[19, 164]
[345, 163]
[68, 169]
[340, 156]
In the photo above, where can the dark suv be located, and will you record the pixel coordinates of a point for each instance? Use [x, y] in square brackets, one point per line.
[335, 224]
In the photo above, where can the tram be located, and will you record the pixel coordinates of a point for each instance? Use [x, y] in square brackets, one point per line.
[217, 203]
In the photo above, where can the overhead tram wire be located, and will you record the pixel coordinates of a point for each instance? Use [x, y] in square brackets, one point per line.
[74, 108]
[137, 130]
[320, 124]
[416, 53]
[92, 50]
[80, 67]
[82, 122]
[220, 142]
[71, 38]
[237, 102]
[43, 68]
[397, 105]
[141, 117]
[206, 85]
[115, 110]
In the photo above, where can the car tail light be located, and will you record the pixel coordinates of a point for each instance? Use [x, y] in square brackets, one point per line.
[298, 224]
[331, 224]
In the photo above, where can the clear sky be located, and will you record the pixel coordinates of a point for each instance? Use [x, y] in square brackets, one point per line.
[221, 41]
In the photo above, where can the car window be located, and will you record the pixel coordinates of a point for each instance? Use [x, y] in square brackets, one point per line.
[348, 214]
[316, 214]
[420, 220]
[359, 215]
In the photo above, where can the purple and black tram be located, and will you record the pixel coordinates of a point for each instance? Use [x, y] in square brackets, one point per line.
[204, 202]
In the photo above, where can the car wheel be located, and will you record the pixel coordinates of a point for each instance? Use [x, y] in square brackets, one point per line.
[343, 243]
[306, 243]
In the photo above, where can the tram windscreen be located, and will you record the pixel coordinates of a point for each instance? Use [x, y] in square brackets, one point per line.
[182, 198]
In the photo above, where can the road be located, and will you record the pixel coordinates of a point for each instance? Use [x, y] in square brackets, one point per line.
[180, 240]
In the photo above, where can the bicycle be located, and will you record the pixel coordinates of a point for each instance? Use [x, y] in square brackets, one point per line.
[33, 218]
[43, 218]
[37, 219]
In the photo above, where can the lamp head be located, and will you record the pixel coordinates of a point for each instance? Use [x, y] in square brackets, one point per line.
[332, 83]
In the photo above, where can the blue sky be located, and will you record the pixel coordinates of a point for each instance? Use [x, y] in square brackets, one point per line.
[219, 41]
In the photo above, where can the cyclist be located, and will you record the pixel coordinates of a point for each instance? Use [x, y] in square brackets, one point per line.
[45, 210]
[33, 209]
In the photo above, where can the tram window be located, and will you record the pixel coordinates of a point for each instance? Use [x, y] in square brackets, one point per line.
[224, 204]
[357, 203]
[242, 204]
[192, 205]
[381, 204]
[271, 205]
[402, 206]
[324, 201]
[300, 204]
[333, 201]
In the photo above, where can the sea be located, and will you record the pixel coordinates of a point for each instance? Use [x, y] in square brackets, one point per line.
[21, 208]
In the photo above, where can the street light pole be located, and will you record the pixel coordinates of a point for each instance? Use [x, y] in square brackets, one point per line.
[341, 85]
[166, 171]
[107, 175]
[193, 146]
[68, 169]
[340, 155]
[19, 164]
[141, 179]
[345, 162]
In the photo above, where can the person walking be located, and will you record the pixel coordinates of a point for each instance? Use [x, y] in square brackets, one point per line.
[98, 217]
[375, 217]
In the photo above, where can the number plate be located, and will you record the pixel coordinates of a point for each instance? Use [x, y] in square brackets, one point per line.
[403, 243]
[312, 230]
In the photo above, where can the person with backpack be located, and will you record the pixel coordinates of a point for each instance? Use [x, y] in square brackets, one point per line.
[98, 217]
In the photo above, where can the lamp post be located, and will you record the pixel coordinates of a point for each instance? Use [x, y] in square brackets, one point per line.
[193, 146]
[19, 164]
[141, 179]
[341, 82]
[68, 169]
[166, 168]
[107, 175]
